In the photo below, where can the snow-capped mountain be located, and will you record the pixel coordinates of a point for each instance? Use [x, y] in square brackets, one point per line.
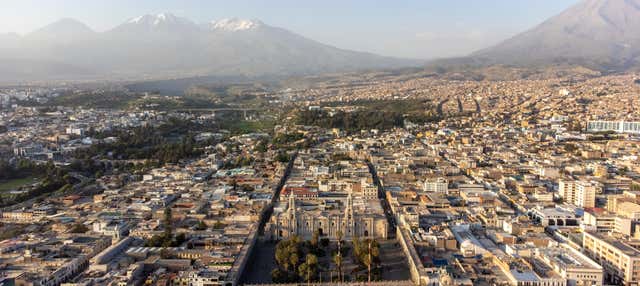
[235, 24]
[163, 22]
[166, 45]
[155, 20]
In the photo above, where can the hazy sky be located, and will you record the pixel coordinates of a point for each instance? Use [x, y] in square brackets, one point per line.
[403, 28]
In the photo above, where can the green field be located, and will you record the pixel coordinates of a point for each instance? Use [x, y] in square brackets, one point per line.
[14, 184]
[238, 127]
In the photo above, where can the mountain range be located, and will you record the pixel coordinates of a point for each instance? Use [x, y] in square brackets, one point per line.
[165, 45]
[601, 35]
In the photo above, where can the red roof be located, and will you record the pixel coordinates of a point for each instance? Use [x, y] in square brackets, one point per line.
[595, 210]
[299, 191]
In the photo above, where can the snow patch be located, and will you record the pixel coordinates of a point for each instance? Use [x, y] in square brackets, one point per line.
[235, 24]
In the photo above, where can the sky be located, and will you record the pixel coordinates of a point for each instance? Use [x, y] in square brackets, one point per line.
[421, 29]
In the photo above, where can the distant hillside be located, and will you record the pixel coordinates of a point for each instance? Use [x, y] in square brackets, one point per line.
[598, 34]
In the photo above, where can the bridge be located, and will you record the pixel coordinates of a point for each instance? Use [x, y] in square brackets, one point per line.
[460, 105]
[222, 109]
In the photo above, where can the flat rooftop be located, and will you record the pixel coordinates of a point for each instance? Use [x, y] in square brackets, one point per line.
[617, 243]
[567, 258]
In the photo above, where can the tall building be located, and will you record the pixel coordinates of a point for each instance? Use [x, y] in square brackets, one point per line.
[579, 193]
[621, 261]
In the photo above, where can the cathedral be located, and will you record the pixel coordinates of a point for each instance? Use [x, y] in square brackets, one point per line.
[329, 217]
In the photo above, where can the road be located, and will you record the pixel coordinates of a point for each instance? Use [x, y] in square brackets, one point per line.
[391, 233]
[261, 260]
[394, 262]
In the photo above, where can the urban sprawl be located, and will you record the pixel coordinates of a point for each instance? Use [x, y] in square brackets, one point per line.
[384, 179]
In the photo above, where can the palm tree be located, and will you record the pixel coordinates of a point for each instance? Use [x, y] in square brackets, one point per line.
[369, 263]
[282, 257]
[340, 275]
[338, 261]
[372, 253]
[293, 259]
[309, 267]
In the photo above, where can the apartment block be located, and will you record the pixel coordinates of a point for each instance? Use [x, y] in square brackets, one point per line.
[620, 261]
[579, 193]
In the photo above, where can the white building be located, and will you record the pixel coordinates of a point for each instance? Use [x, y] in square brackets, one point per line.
[619, 259]
[199, 278]
[554, 216]
[579, 193]
[606, 222]
[468, 243]
[548, 172]
[575, 267]
[616, 126]
[72, 130]
[438, 185]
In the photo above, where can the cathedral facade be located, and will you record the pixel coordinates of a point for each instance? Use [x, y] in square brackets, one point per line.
[328, 223]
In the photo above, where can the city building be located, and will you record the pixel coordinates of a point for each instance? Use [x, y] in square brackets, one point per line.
[620, 261]
[579, 193]
[615, 126]
[343, 220]
[438, 185]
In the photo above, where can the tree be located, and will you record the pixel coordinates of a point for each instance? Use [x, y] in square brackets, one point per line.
[168, 227]
[305, 271]
[293, 258]
[283, 157]
[277, 276]
[623, 171]
[324, 242]
[287, 256]
[340, 274]
[78, 228]
[201, 226]
[368, 260]
[366, 253]
[282, 258]
[372, 117]
[154, 241]
[261, 146]
[165, 253]
[311, 259]
[337, 259]
[357, 247]
[315, 240]
[247, 188]
[309, 268]
[180, 239]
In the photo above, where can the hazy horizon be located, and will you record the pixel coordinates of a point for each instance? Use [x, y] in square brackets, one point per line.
[406, 29]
